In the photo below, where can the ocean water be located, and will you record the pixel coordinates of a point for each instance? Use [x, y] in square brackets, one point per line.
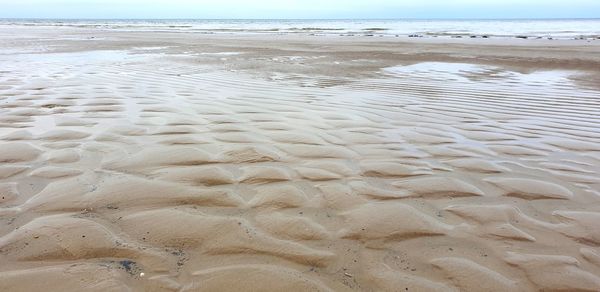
[530, 28]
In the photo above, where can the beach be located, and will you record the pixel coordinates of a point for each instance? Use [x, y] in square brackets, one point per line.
[173, 160]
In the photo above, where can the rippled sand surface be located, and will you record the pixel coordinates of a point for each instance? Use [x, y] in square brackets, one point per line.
[176, 162]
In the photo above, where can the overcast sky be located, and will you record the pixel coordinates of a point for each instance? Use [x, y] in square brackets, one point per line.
[300, 9]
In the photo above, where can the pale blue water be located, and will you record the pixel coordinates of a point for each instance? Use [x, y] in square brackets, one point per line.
[532, 28]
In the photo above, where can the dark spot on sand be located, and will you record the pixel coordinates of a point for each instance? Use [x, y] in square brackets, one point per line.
[127, 265]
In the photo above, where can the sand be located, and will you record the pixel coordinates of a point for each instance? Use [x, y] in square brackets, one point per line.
[176, 161]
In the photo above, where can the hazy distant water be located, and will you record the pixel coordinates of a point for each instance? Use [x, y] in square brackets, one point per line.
[556, 28]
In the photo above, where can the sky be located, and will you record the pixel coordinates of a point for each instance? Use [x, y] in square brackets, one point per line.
[299, 9]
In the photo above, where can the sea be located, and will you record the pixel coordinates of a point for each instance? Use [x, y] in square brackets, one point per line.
[484, 28]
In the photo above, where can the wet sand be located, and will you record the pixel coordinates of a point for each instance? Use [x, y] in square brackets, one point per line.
[138, 161]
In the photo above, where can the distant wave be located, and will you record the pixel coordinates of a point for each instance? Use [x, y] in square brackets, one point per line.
[523, 28]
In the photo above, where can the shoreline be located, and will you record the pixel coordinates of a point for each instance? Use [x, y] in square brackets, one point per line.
[552, 29]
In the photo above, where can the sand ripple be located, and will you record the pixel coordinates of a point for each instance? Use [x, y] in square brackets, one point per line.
[178, 177]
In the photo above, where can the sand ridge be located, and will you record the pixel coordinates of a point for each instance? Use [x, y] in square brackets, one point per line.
[162, 171]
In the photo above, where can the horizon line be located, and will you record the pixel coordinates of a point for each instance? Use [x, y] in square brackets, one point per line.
[341, 18]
